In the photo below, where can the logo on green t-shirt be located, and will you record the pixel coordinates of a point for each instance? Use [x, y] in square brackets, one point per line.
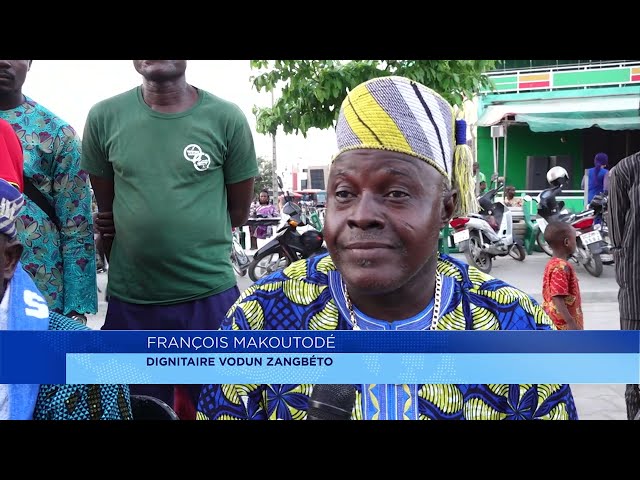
[195, 155]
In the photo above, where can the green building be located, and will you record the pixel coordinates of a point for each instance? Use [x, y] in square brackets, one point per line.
[542, 113]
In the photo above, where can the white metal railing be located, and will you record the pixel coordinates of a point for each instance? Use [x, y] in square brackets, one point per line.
[575, 66]
[497, 75]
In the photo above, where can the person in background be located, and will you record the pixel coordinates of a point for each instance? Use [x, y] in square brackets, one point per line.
[596, 176]
[59, 253]
[172, 167]
[510, 199]
[624, 228]
[392, 186]
[23, 308]
[262, 209]
[478, 177]
[560, 286]
[483, 188]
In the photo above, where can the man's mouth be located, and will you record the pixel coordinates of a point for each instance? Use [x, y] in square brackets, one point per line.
[369, 245]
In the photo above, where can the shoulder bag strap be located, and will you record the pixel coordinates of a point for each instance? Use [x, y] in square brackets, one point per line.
[37, 197]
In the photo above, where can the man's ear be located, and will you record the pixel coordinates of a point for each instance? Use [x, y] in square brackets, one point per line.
[449, 199]
[12, 254]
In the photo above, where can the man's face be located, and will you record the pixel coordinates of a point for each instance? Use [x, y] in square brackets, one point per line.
[13, 73]
[475, 168]
[510, 192]
[384, 213]
[9, 256]
[160, 70]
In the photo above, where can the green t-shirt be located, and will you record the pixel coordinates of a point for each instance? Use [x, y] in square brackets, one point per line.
[173, 231]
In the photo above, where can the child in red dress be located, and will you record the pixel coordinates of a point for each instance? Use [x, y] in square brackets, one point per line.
[560, 288]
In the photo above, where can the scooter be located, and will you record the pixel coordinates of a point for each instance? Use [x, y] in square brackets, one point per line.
[589, 241]
[599, 205]
[239, 259]
[289, 245]
[488, 234]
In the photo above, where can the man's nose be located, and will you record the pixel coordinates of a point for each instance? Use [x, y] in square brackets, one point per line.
[367, 212]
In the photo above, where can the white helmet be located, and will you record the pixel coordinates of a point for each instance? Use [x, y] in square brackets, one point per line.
[557, 175]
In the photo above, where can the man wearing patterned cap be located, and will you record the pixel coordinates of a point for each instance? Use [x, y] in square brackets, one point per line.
[22, 307]
[401, 172]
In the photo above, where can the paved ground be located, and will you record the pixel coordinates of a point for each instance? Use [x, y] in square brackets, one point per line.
[599, 296]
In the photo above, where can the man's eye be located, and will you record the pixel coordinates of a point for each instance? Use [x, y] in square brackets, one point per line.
[397, 194]
[342, 194]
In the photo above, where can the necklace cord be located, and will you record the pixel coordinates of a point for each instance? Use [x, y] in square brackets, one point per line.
[437, 299]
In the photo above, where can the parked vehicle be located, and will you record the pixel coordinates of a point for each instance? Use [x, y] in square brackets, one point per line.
[289, 245]
[599, 205]
[487, 234]
[239, 259]
[589, 241]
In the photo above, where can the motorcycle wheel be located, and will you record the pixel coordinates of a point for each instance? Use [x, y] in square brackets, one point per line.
[607, 258]
[594, 265]
[241, 272]
[518, 252]
[542, 243]
[239, 259]
[267, 263]
[476, 257]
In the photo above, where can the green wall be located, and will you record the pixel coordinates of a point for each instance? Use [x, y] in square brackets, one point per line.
[522, 142]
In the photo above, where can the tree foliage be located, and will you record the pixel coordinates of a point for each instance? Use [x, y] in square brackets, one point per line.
[264, 180]
[313, 90]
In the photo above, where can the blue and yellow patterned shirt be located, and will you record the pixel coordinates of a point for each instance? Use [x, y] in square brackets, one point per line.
[308, 295]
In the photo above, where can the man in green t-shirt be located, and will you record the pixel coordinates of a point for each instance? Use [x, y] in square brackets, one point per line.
[172, 167]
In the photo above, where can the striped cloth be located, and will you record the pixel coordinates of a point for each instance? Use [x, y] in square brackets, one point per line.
[397, 114]
[624, 227]
[11, 202]
[400, 115]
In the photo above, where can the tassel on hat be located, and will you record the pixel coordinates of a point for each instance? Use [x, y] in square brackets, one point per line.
[463, 180]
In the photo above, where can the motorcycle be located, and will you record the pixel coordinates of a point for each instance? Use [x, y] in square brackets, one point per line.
[488, 234]
[599, 205]
[239, 259]
[589, 241]
[289, 245]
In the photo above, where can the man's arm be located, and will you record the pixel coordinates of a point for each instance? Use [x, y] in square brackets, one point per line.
[239, 197]
[95, 161]
[104, 192]
[561, 307]
[240, 170]
[619, 204]
[71, 196]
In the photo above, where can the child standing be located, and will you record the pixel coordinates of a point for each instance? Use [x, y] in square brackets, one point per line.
[560, 288]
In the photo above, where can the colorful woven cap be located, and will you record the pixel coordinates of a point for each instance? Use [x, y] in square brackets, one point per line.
[11, 202]
[397, 114]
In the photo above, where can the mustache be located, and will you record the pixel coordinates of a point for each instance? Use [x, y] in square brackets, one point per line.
[370, 237]
[6, 74]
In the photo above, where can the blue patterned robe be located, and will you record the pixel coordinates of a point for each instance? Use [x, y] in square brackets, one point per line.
[308, 295]
[62, 264]
[81, 402]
